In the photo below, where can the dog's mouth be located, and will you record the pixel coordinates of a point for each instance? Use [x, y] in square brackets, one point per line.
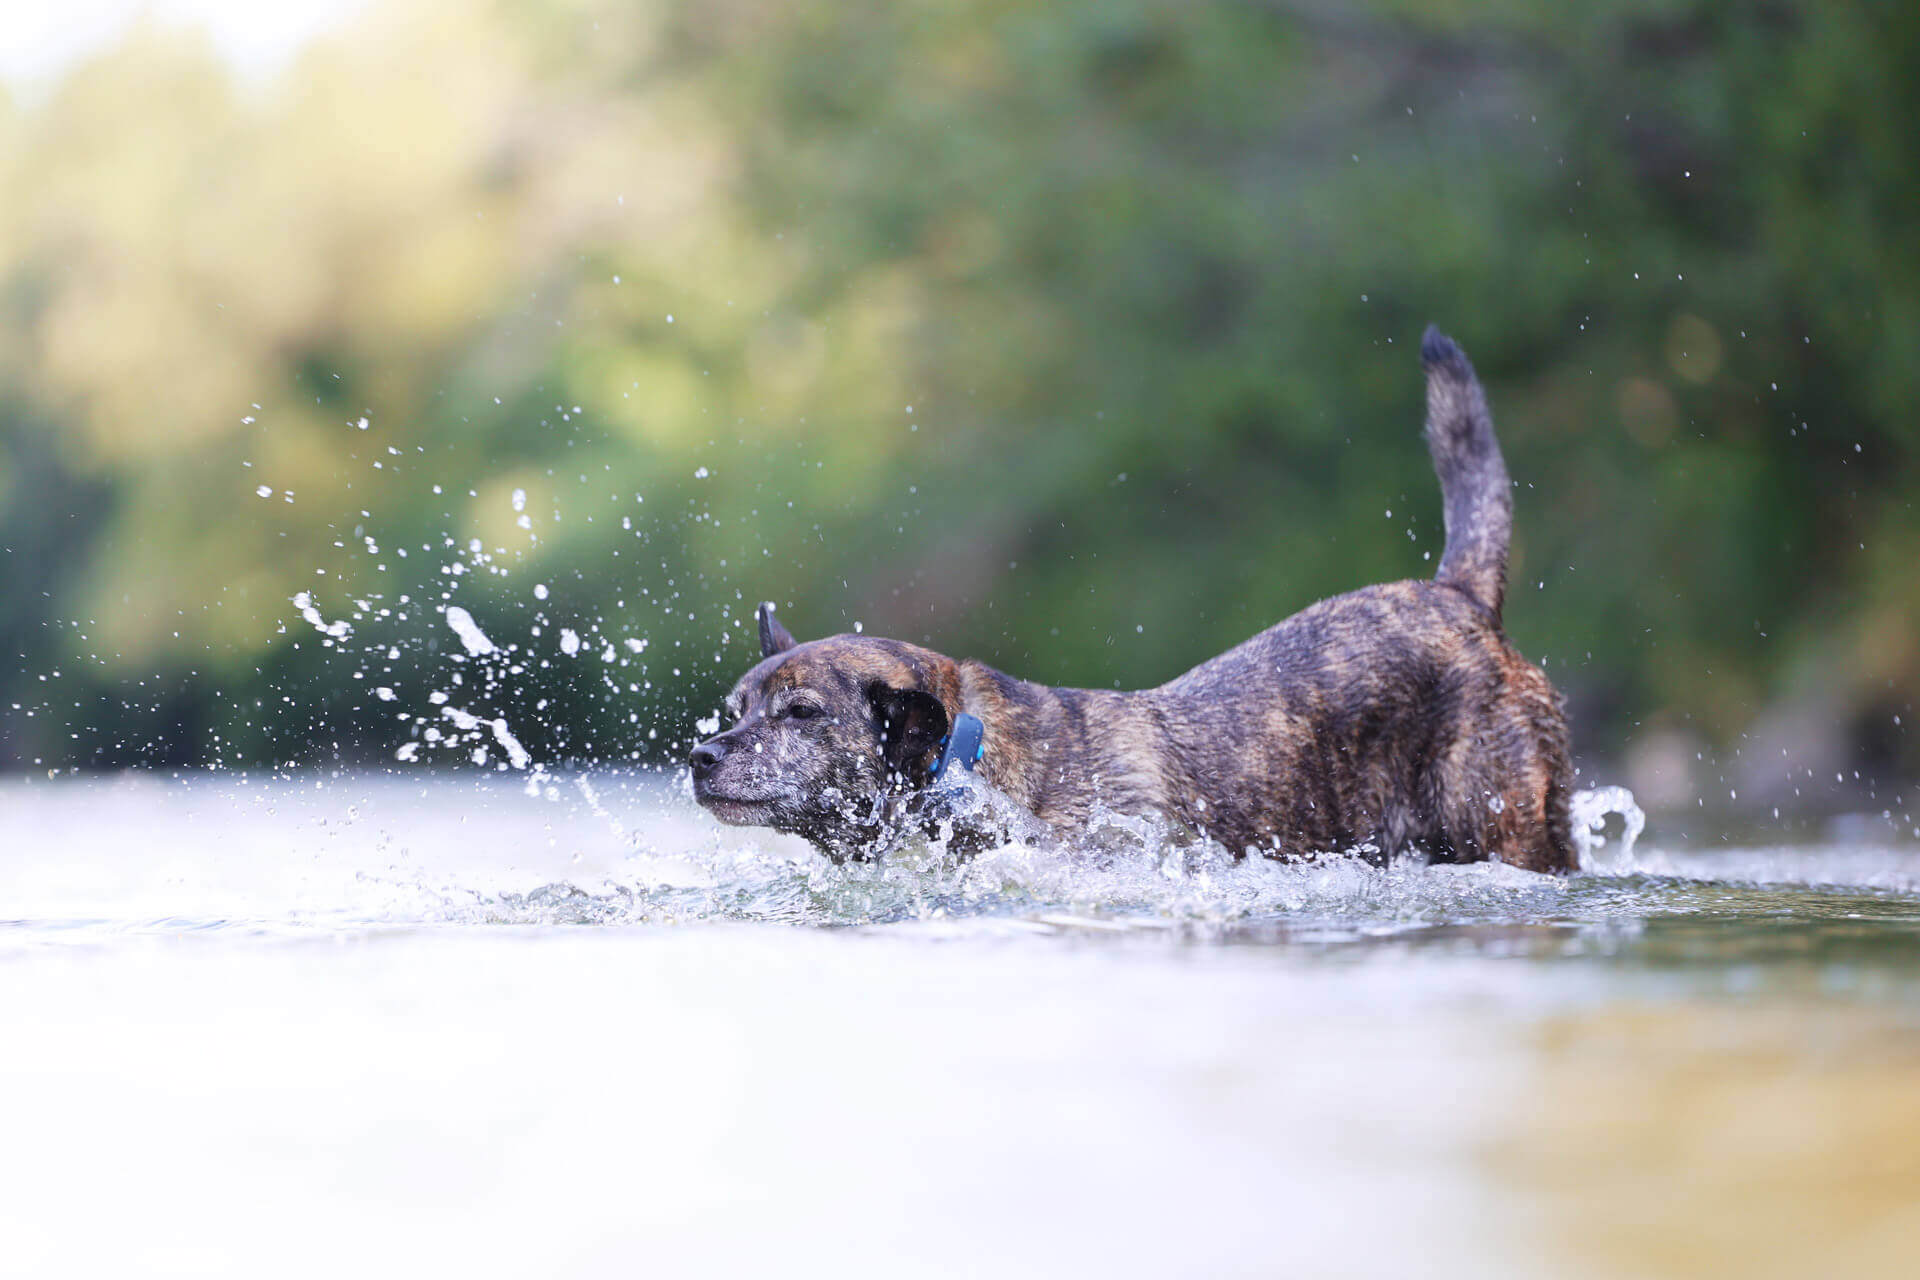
[745, 811]
[738, 813]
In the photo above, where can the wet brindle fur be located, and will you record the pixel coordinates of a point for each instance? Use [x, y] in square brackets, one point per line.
[1396, 717]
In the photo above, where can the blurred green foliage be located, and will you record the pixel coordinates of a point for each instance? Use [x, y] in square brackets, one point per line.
[1076, 336]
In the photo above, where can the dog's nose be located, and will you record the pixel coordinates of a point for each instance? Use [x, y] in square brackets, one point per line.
[707, 757]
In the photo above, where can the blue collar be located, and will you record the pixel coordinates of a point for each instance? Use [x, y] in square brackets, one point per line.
[965, 745]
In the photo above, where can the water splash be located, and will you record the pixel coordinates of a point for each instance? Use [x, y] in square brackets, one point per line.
[1589, 810]
[627, 848]
[471, 636]
[1126, 876]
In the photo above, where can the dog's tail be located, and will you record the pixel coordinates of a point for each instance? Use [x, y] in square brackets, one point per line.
[1473, 477]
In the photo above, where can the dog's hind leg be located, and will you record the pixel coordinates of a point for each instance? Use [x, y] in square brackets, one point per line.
[1516, 798]
[1504, 797]
[1525, 834]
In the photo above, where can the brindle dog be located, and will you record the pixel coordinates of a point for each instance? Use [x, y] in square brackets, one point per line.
[1394, 718]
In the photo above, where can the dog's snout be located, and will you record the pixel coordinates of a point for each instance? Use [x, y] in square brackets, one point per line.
[707, 757]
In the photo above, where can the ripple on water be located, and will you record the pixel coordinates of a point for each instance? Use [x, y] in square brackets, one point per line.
[295, 858]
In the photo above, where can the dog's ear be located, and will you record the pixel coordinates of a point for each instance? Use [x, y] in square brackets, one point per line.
[912, 723]
[773, 637]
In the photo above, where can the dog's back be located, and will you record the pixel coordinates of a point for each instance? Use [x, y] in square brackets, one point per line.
[1396, 715]
[1393, 716]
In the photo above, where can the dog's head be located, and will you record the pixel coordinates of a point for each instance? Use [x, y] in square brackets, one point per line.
[825, 736]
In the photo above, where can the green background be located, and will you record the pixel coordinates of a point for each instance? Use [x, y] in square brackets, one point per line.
[1077, 337]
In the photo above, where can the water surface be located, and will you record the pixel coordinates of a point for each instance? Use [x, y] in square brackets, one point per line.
[311, 1025]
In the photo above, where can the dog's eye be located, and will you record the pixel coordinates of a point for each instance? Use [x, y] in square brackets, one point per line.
[803, 711]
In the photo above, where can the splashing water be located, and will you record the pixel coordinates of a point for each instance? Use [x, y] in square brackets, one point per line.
[620, 847]
[1589, 811]
[471, 636]
[627, 847]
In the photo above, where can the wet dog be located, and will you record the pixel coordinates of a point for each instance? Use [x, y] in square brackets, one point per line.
[1396, 718]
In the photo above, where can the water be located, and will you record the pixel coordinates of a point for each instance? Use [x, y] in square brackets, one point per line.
[314, 1025]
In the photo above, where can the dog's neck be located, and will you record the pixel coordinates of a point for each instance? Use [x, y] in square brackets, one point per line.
[1061, 753]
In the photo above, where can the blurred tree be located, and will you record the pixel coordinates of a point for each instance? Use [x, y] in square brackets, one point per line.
[1075, 336]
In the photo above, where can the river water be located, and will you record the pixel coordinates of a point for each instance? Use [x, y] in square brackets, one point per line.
[457, 1025]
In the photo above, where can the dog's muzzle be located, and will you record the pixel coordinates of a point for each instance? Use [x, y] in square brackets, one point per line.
[706, 758]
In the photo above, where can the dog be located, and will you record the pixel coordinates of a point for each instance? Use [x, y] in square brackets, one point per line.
[1396, 719]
